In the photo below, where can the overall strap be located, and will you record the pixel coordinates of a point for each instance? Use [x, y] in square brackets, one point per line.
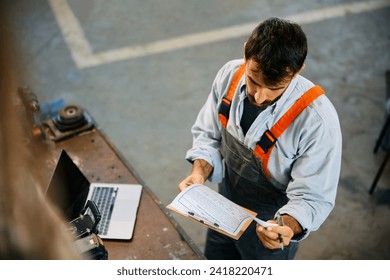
[224, 108]
[267, 141]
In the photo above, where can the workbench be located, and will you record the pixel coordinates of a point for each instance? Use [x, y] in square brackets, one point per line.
[156, 236]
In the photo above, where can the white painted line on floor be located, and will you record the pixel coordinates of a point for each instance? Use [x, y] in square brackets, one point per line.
[338, 11]
[73, 34]
[84, 57]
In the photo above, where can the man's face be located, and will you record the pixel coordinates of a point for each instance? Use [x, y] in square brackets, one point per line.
[259, 93]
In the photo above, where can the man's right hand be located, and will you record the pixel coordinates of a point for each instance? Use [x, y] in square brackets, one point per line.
[190, 180]
[201, 170]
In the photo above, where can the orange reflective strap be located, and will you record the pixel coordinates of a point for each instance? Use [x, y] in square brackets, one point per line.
[306, 99]
[235, 81]
[223, 119]
[224, 108]
[283, 123]
[224, 111]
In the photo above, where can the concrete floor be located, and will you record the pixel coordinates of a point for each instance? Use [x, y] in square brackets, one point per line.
[146, 98]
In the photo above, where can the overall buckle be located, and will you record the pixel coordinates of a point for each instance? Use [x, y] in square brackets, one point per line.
[267, 140]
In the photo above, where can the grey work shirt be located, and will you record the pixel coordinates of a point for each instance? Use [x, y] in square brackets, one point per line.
[306, 160]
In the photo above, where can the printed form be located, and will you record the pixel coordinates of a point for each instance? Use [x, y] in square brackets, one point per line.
[211, 208]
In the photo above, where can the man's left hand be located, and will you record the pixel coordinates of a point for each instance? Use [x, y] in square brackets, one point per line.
[269, 236]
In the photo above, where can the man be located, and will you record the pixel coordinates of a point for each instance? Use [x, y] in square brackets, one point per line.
[272, 141]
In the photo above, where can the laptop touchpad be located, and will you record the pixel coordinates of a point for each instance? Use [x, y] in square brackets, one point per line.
[121, 211]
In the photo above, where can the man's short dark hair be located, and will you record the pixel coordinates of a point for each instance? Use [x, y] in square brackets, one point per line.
[279, 47]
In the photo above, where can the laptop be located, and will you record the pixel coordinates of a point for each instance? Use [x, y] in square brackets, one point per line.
[70, 190]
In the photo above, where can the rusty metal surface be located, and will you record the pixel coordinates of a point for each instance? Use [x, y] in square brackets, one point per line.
[156, 234]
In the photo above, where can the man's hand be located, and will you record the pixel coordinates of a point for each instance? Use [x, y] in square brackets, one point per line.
[270, 236]
[190, 180]
[201, 170]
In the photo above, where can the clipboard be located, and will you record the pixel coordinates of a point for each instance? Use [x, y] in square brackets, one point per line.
[198, 199]
[210, 225]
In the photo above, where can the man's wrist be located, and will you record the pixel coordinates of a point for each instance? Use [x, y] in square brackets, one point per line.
[293, 224]
[200, 167]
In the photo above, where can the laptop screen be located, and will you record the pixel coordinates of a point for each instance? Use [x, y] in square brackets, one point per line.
[68, 188]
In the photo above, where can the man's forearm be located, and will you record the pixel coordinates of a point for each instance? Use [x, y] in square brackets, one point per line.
[202, 167]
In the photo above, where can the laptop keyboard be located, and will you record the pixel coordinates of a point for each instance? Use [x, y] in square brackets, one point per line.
[104, 198]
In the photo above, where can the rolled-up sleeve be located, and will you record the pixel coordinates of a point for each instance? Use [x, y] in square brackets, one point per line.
[314, 178]
[206, 132]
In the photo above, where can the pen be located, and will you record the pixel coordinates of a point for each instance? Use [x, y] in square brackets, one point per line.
[280, 223]
[262, 223]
